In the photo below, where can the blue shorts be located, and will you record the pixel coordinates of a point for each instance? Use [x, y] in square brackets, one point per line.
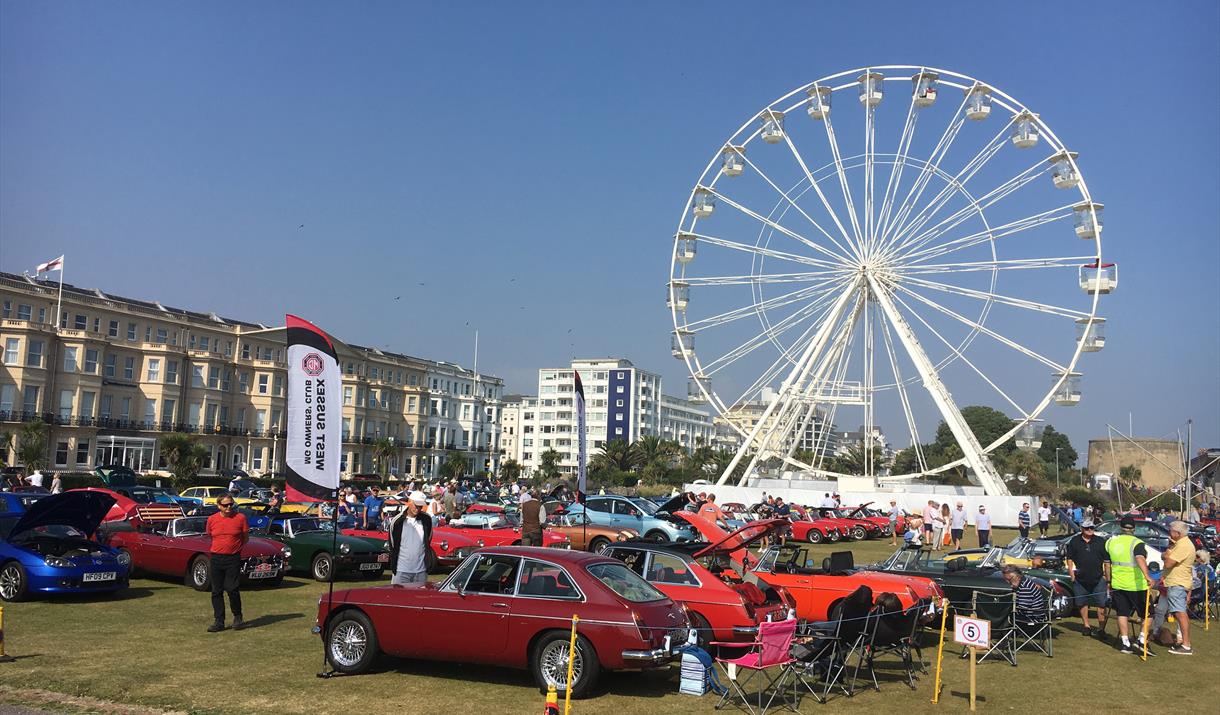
[1177, 599]
[1083, 595]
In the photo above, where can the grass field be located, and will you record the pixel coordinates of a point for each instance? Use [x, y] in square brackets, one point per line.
[147, 647]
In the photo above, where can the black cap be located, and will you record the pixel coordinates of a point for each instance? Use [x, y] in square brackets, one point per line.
[1127, 522]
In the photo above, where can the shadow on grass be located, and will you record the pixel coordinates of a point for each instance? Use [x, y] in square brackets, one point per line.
[248, 585]
[127, 594]
[649, 684]
[271, 618]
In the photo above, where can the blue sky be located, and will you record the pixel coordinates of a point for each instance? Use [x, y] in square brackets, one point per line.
[528, 162]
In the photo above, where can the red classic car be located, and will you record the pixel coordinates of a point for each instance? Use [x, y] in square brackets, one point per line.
[707, 579]
[815, 530]
[858, 527]
[819, 591]
[449, 546]
[489, 529]
[511, 606]
[180, 547]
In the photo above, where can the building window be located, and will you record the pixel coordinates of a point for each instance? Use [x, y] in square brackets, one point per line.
[196, 375]
[125, 409]
[91, 361]
[347, 394]
[104, 412]
[150, 411]
[82, 451]
[618, 431]
[167, 410]
[193, 413]
[81, 322]
[276, 413]
[162, 335]
[129, 368]
[213, 377]
[86, 404]
[260, 420]
[113, 331]
[245, 350]
[131, 332]
[243, 381]
[24, 312]
[61, 453]
[258, 457]
[154, 370]
[70, 358]
[33, 354]
[277, 385]
[11, 348]
[8, 393]
[171, 372]
[108, 371]
[262, 384]
[65, 404]
[30, 401]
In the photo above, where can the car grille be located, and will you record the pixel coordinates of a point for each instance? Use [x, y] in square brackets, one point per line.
[254, 562]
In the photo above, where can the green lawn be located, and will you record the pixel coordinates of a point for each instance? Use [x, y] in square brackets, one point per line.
[148, 647]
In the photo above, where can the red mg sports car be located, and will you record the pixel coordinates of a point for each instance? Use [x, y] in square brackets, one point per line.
[490, 529]
[511, 606]
[707, 579]
[180, 547]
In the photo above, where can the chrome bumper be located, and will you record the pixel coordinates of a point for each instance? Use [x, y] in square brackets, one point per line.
[316, 630]
[656, 656]
[745, 630]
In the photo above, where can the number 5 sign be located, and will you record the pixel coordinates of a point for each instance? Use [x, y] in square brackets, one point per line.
[971, 631]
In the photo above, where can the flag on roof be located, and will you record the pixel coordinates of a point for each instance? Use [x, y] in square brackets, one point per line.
[55, 264]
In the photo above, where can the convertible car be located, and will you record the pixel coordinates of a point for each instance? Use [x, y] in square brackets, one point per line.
[819, 585]
[321, 553]
[47, 549]
[489, 529]
[959, 578]
[511, 606]
[180, 547]
[209, 495]
[1019, 552]
[815, 530]
[708, 581]
[448, 546]
[585, 535]
[858, 528]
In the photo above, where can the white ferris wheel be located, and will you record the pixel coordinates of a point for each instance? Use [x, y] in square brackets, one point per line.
[860, 266]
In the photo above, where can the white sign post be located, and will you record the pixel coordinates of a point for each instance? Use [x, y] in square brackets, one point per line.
[973, 633]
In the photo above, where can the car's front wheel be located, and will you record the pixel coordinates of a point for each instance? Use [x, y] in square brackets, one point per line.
[597, 544]
[657, 536]
[198, 573]
[14, 582]
[549, 663]
[834, 536]
[322, 567]
[814, 536]
[858, 533]
[351, 643]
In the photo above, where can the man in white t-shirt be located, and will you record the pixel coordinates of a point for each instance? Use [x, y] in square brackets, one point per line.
[1044, 519]
[957, 525]
[410, 534]
[35, 479]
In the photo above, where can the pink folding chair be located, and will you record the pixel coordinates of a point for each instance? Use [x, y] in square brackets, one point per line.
[773, 648]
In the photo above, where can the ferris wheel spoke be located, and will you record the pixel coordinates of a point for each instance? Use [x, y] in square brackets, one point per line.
[917, 257]
[998, 298]
[838, 260]
[1014, 264]
[957, 183]
[928, 170]
[778, 301]
[839, 375]
[1024, 413]
[843, 184]
[761, 251]
[840, 256]
[754, 279]
[903, 397]
[983, 329]
[870, 138]
[894, 181]
[976, 206]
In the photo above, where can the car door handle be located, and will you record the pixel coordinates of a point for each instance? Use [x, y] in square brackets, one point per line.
[499, 604]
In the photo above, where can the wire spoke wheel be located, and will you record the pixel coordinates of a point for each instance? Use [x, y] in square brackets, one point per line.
[554, 664]
[348, 643]
[872, 244]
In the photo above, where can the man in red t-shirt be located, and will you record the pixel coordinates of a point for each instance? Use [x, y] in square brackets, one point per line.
[229, 532]
[713, 513]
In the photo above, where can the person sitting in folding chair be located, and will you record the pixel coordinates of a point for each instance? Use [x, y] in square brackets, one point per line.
[1032, 616]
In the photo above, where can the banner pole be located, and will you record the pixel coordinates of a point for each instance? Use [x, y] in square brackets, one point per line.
[330, 589]
[567, 695]
[1144, 624]
[940, 649]
[1207, 604]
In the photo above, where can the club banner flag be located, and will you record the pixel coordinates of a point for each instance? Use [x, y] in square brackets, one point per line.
[55, 264]
[581, 452]
[314, 413]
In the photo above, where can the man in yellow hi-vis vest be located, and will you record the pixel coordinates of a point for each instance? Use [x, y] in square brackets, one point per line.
[1127, 572]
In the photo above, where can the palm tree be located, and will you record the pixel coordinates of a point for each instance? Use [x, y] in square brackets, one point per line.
[853, 461]
[454, 467]
[510, 469]
[617, 454]
[383, 449]
[32, 445]
[548, 464]
[6, 438]
[184, 455]
[655, 450]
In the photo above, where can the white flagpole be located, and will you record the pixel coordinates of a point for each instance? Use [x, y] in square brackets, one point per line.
[60, 300]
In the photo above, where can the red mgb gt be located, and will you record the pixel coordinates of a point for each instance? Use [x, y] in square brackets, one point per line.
[511, 606]
[707, 579]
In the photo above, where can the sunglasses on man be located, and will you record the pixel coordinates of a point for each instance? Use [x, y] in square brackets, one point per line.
[225, 505]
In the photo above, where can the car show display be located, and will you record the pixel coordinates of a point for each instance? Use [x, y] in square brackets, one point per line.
[318, 551]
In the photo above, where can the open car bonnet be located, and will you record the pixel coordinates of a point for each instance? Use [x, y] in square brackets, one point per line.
[81, 510]
[744, 537]
[674, 505]
[116, 475]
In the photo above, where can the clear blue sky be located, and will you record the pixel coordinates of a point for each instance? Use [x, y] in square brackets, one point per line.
[174, 150]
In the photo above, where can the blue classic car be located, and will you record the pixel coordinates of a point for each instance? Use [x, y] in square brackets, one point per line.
[635, 513]
[17, 502]
[47, 549]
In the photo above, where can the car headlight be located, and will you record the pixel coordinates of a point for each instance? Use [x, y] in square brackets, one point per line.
[287, 551]
[123, 558]
[344, 548]
[57, 562]
[385, 546]
[444, 545]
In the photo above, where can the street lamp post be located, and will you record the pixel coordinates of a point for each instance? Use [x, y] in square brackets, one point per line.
[1057, 466]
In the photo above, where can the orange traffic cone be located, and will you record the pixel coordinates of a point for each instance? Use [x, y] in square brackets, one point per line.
[552, 701]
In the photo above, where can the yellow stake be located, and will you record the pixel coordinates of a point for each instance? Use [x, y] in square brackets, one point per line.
[1144, 625]
[1207, 604]
[944, 615]
[567, 695]
[3, 658]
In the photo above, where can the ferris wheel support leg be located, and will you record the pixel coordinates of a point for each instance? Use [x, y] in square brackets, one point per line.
[798, 372]
[973, 451]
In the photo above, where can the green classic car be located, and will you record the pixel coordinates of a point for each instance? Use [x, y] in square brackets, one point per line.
[312, 541]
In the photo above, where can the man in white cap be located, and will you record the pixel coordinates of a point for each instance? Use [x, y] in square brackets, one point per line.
[410, 536]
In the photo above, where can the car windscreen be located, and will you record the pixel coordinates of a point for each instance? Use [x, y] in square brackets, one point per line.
[648, 507]
[142, 495]
[308, 524]
[625, 582]
[190, 527]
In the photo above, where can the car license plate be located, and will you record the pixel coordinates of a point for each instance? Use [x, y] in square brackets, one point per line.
[263, 574]
[99, 576]
[370, 567]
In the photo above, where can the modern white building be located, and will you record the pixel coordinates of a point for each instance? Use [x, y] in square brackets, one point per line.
[463, 415]
[510, 427]
[686, 423]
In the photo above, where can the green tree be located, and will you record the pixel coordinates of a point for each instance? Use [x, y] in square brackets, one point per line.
[617, 454]
[907, 461]
[1129, 475]
[383, 450]
[1052, 439]
[510, 469]
[853, 461]
[548, 465]
[986, 423]
[808, 456]
[655, 450]
[184, 455]
[32, 445]
[454, 466]
[6, 439]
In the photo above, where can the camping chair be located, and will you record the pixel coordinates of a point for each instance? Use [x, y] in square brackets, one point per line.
[1039, 633]
[835, 644]
[772, 648]
[999, 608]
[896, 633]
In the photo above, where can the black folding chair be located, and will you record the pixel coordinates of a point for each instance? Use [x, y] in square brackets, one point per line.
[1038, 633]
[826, 660]
[999, 609]
[896, 633]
